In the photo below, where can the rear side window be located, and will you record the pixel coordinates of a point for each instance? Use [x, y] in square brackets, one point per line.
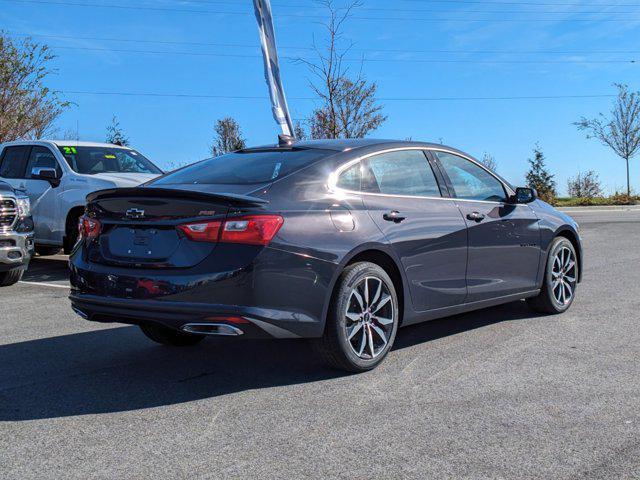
[243, 168]
[14, 162]
[470, 181]
[401, 173]
[350, 178]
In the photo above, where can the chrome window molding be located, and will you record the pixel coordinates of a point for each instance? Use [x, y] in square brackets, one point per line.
[333, 178]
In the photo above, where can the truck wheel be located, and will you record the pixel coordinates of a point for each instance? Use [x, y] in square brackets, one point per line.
[45, 251]
[11, 276]
[168, 336]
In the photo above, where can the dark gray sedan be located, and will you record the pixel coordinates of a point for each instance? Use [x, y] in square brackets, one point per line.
[338, 241]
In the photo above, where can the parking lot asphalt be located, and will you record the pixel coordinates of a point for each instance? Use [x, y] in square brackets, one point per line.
[499, 393]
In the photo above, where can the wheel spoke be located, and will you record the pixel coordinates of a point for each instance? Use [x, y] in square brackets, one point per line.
[371, 347]
[570, 279]
[358, 299]
[567, 258]
[363, 343]
[570, 266]
[383, 321]
[378, 292]
[385, 299]
[354, 317]
[355, 329]
[366, 292]
[381, 334]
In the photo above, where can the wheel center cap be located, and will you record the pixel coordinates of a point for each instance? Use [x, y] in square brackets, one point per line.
[367, 317]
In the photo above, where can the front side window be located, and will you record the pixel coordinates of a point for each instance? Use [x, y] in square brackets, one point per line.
[42, 157]
[405, 172]
[469, 181]
[92, 160]
[14, 162]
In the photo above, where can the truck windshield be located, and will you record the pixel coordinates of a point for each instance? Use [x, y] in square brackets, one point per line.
[243, 168]
[92, 160]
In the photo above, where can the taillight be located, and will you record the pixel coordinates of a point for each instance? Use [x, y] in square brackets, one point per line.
[202, 232]
[248, 230]
[89, 227]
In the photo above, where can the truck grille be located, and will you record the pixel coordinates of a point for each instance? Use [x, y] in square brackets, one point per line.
[8, 213]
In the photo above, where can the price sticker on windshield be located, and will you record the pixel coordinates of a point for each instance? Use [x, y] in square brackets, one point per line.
[69, 150]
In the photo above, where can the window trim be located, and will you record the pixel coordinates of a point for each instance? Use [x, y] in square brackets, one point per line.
[333, 178]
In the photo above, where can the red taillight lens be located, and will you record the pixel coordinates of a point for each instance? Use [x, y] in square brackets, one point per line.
[202, 232]
[251, 230]
[248, 230]
[89, 227]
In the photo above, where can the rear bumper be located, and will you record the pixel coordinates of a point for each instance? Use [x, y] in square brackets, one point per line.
[16, 249]
[252, 322]
[273, 293]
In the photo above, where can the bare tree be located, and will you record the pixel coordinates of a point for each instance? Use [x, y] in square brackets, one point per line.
[621, 130]
[585, 185]
[349, 107]
[115, 133]
[489, 161]
[28, 108]
[228, 137]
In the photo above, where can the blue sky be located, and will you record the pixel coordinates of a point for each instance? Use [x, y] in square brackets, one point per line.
[416, 51]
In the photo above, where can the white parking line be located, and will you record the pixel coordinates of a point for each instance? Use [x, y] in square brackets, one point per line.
[42, 284]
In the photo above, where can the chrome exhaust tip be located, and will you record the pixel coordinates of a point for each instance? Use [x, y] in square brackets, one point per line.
[220, 329]
[80, 312]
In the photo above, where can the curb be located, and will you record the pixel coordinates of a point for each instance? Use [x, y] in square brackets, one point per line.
[601, 208]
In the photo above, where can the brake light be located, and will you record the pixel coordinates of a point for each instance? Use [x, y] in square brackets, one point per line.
[248, 230]
[89, 227]
[202, 232]
[251, 230]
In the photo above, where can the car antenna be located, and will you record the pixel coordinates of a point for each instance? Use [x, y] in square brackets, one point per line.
[285, 140]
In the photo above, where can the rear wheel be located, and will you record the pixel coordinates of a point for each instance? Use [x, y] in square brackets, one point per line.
[46, 250]
[560, 279]
[11, 276]
[168, 336]
[362, 321]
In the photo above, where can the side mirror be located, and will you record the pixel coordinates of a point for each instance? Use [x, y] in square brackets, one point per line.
[525, 195]
[45, 173]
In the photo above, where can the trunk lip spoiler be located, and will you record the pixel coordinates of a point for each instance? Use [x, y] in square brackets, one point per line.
[229, 198]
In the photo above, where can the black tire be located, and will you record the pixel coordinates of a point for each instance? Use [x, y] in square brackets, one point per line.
[334, 347]
[168, 336]
[46, 250]
[11, 277]
[546, 301]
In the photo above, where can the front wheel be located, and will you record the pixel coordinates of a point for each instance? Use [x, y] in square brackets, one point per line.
[362, 321]
[11, 277]
[560, 279]
[168, 336]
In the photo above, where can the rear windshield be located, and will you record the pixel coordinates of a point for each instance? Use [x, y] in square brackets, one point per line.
[243, 168]
[92, 160]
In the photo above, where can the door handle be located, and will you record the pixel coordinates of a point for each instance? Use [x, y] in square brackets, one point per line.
[475, 216]
[394, 216]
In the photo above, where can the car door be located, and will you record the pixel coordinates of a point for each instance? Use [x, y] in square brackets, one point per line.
[43, 196]
[504, 237]
[13, 165]
[425, 229]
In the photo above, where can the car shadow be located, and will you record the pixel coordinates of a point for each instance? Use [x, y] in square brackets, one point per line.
[118, 369]
[47, 269]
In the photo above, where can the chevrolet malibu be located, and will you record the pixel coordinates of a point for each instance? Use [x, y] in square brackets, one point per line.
[338, 241]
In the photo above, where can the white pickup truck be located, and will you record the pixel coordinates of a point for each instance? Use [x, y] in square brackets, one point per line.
[57, 175]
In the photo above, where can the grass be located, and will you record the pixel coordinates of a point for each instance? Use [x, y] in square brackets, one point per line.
[617, 199]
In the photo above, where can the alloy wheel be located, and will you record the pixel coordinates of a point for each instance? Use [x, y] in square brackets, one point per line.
[369, 318]
[563, 276]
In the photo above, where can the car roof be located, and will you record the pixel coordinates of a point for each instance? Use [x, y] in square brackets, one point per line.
[66, 143]
[346, 144]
